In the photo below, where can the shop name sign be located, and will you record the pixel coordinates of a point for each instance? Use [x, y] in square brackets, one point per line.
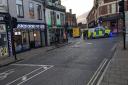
[2, 28]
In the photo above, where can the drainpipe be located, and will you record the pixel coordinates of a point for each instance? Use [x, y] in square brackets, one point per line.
[45, 30]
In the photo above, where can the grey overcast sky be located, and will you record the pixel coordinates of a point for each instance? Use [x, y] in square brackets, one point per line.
[78, 6]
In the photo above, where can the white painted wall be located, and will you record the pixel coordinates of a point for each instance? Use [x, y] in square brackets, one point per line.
[48, 16]
[27, 18]
[3, 6]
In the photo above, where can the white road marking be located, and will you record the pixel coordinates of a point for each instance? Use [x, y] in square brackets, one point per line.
[32, 74]
[89, 43]
[24, 75]
[96, 74]
[114, 47]
[6, 73]
[101, 78]
[31, 65]
[24, 78]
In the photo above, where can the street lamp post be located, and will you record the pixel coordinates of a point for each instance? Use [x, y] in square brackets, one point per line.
[45, 30]
[122, 11]
[9, 18]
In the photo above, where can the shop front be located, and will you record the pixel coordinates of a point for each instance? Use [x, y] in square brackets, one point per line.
[56, 34]
[28, 36]
[4, 52]
[112, 21]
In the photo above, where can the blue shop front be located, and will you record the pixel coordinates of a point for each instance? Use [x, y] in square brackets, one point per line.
[29, 36]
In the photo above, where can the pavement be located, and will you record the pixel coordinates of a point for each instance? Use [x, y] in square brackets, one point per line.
[73, 64]
[116, 72]
[29, 54]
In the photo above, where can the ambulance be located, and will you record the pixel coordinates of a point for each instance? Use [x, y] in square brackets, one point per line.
[76, 32]
[98, 32]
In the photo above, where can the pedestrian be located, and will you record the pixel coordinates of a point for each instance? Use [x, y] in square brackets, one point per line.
[84, 35]
[66, 31]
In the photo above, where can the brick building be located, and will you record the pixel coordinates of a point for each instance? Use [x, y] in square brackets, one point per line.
[91, 18]
[107, 12]
[71, 21]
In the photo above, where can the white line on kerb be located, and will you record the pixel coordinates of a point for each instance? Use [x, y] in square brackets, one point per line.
[114, 47]
[103, 73]
[96, 74]
[99, 71]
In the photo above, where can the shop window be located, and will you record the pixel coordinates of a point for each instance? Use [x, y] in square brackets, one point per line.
[113, 8]
[18, 41]
[54, 18]
[3, 41]
[25, 40]
[62, 19]
[19, 7]
[37, 38]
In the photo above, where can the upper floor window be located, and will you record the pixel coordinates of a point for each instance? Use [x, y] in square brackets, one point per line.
[109, 9]
[39, 12]
[113, 8]
[1, 1]
[58, 17]
[62, 19]
[19, 7]
[31, 9]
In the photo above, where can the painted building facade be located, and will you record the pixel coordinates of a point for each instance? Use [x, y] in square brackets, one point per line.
[55, 20]
[5, 43]
[126, 19]
[107, 13]
[71, 21]
[29, 33]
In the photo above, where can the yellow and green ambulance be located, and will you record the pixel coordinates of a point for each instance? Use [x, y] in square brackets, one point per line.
[98, 32]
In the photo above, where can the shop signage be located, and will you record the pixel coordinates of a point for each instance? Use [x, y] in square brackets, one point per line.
[23, 26]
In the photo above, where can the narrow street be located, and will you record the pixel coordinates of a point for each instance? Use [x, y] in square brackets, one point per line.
[74, 64]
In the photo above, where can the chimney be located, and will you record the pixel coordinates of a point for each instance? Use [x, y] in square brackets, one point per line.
[70, 10]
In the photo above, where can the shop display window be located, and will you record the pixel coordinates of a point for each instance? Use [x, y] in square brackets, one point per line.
[3, 41]
[18, 41]
[37, 38]
[25, 40]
